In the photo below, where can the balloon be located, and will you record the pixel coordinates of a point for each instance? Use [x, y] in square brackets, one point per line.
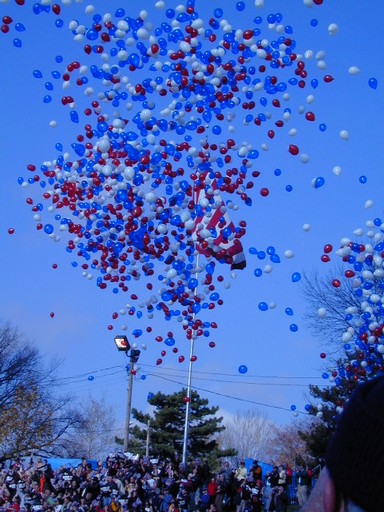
[243, 369]
[372, 82]
[296, 276]
[263, 306]
[318, 182]
[293, 328]
[344, 134]
[322, 312]
[91, 378]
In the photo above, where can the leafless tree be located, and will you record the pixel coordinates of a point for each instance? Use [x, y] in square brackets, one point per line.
[34, 417]
[94, 436]
[249, 433]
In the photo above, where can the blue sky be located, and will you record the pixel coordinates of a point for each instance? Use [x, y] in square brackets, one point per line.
[68, 316]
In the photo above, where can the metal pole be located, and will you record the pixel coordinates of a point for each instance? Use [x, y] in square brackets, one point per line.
[189, 386]
[147, 443]
[129, 405]
[188, 405]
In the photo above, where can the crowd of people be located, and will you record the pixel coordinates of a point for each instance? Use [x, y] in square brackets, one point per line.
[143, 485]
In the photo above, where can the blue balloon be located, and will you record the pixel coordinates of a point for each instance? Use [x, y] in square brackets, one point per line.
[293, 407]
[91, 378]
[289, 311]
[48, 228]
[363, 179]
[293, 328]
[240, 6]
[319, 182]
[372, 82]
[263, 306]
[296, 276]
[169, 342]
[243, 369]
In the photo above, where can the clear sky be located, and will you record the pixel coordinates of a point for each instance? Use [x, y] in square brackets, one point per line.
[46, 296]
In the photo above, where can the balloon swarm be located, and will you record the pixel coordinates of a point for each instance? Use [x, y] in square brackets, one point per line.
[154, 173]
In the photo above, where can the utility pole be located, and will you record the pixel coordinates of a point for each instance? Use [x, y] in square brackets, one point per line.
[129, 404]
[133, 353]
[147, 443]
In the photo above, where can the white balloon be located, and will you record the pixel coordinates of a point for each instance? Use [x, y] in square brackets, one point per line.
[353, 70]
[336, 170]
[268, 269]
[344, 134]
[332, 29]
[368, 203]
[322, 312]
[289, 253]
[306, 227]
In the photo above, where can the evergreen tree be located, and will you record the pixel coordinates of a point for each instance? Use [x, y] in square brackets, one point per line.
[167, 427]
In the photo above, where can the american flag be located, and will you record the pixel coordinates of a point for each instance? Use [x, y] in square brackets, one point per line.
[214, 233]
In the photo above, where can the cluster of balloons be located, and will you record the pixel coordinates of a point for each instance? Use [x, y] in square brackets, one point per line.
[363, 338]
[154, 173]
[153, 162]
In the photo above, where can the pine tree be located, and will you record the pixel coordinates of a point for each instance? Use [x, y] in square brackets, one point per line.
[167, 426]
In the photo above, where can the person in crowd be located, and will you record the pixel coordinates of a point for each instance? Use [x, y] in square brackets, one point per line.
[256, 471]
[241, 473]
[282, 480]
[352, 479]
[212, 490]
[303, 480]
[280, 499]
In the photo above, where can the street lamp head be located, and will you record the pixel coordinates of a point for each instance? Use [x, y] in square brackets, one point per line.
[122, 343]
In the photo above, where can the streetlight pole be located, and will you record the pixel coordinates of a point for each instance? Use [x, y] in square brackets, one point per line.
[133, 353]
[129, 404]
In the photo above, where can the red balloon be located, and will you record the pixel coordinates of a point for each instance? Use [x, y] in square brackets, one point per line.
[56, 9]
[328, 248]
[52, 314]
[336, 283]
[349, 273]
[159, 361]
[11, 231]
[294, 150]
[264, 192]
[186, 400]
[323, 355]
[54, 266]
[193, 359]
[310, 116]
[181, 359]
[212, 344]
[328, 78]
[325, 258]
[163, 353]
